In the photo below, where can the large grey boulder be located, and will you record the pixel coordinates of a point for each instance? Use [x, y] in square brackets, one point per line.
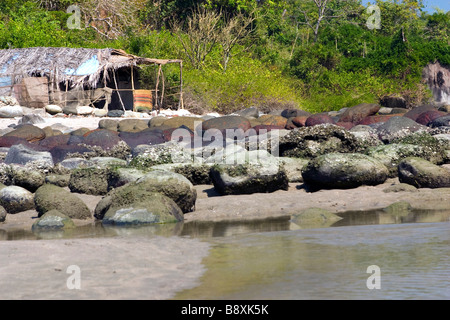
[344, 170]
[254, 171]
[398, 127]
[19, 154]
[50, 197]
[391, 154]
[423, 174]
[310, 142]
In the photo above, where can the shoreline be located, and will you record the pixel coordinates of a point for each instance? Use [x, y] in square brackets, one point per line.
[211, 207]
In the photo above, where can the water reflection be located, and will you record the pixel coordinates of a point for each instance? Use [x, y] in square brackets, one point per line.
[207, 229]
[329, 264]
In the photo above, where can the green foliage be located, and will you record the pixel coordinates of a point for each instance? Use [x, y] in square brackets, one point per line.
[279, 65]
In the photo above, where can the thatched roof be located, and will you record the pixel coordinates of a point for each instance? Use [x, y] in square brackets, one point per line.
[78, 66]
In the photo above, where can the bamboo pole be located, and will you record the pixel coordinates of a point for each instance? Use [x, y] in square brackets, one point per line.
[117, 89]
[132, 86]
[163, 88]
[156, 89]
[181, 103]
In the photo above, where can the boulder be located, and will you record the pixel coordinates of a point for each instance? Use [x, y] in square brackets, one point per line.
[293, 168]
[319, 118]
[146, 137]
[121, 176]
[155, 208]
[26, 177]
[253, 172]
[31, 119]
[300, 121]
[109, 124]
[443, 121]
[343, 171]
[393, 101]
[376, 119]
[53, 220]
[173, 185]
[53, 109]
[132, 125]
[188, 122]
[3, 214]
[225, 122]
[415, 112]
[272, 120]
[20, 154]
[61, 152]
[60, 180]
[356, 113]
[398, 127]
[428, 116]
[28, 132]
[391, 155]
[16, 199]
[422, 173]
[10, 141]
[91, 180]
[145, 156]
[103, 138]
[196, 173]
[49, 197]
[314, 218]
[251, 112]
[11, 111]
[310, 142]
[292, 113]
[115, 113]
[53, 141]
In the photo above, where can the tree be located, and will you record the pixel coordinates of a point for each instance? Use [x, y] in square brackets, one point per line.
[313, 13]
[235, 30]
[199, 35]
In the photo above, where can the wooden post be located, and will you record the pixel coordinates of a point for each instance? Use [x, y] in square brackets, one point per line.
[118, 92]
[181, 103]
[163, 88]
[132, 85]
[156, 89]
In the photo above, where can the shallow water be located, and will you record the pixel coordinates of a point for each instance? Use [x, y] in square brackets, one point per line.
[330, 263]
[278, 259]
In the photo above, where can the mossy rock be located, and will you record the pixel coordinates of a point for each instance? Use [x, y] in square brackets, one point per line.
[344, 170]
[60, 180]
[92, 181]
[170, 184]
[53, 220]
[196, 173]
[26, 178]
[310, 142]
[401, 208]
[423, 174]
[392, 154]
[49, 197]
[314, 217]
[155, 208]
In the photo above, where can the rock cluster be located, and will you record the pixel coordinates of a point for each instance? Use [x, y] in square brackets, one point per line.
[145, 169]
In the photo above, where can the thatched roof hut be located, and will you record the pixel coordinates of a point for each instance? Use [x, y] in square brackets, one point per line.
[72, 68]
